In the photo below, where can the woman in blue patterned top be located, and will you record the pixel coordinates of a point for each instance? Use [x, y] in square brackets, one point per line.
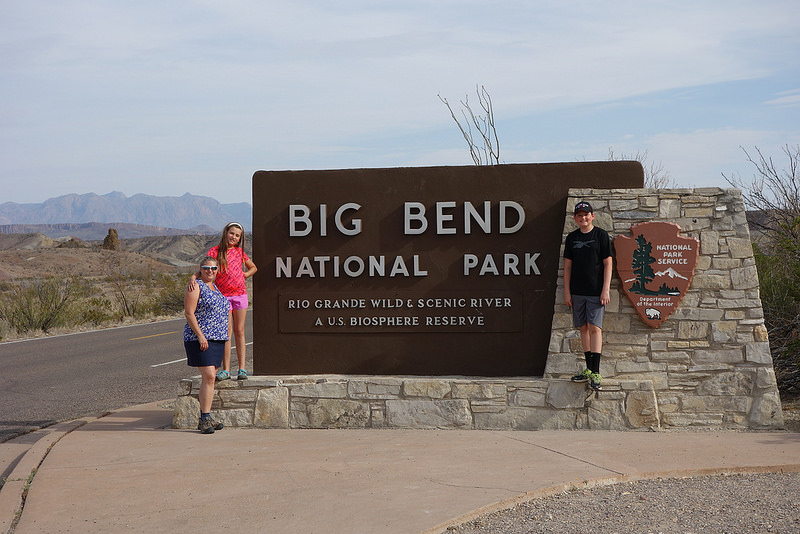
[204, 336]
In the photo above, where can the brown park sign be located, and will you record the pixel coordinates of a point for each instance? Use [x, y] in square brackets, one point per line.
[655, 266]
[412, 271]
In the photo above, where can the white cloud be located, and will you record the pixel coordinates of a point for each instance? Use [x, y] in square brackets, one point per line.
[785, 98]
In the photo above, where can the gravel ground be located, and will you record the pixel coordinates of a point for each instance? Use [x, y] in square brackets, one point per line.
[741, 503]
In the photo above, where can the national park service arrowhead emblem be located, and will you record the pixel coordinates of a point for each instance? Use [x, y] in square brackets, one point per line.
[655, 267]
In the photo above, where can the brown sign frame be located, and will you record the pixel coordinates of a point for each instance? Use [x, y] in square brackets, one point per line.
[469, 253]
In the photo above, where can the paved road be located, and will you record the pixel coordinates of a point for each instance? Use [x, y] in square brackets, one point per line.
[60, 378]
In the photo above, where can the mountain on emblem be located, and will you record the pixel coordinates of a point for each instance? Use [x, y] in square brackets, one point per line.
[656, 265]
[670, 272]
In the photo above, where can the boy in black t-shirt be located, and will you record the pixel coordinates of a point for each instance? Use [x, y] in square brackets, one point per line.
[587, 287]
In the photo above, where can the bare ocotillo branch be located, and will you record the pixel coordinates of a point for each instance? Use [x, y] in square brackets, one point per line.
[486, 149]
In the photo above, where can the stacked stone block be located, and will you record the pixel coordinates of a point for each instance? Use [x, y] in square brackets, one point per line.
[333, 401]
[709, 364]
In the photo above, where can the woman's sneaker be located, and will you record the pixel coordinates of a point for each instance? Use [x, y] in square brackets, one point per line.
[208, 426]
[594, 381]
[583, 377]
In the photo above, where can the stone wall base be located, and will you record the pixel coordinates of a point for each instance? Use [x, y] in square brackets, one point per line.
[337, 401]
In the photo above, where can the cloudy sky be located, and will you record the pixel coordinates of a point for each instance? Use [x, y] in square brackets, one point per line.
[165, 98]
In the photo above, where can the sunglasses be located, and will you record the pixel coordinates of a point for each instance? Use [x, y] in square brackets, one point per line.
[209, 267]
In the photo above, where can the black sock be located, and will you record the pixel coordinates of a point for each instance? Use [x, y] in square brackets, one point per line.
[595, 362]
[588, 356]
[204, 415]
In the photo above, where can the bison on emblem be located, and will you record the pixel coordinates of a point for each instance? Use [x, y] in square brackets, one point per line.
[652, 313]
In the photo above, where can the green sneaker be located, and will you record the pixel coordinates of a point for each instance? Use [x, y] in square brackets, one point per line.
[242, 375]
[594, 381]
[583, 377]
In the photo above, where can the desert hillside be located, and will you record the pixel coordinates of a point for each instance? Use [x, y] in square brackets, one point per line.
[36, 255]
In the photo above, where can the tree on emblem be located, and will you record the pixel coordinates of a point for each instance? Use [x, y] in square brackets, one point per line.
[641, 265]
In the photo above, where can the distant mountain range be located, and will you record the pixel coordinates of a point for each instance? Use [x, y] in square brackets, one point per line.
[85, 215]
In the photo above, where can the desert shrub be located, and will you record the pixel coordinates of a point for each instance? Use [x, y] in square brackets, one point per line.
[773, 196]
[5, 328]
[127, 296]
[90, 298]
[130, 290]
[96, 310]
[30, 305]
[779, 278]
[171, 289]
[140, 294]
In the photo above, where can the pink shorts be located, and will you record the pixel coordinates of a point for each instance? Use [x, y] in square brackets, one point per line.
[238, 302]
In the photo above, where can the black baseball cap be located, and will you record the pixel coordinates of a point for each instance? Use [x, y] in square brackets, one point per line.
[583, 206]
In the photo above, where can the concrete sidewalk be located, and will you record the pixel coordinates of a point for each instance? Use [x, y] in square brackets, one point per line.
[128, 471]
